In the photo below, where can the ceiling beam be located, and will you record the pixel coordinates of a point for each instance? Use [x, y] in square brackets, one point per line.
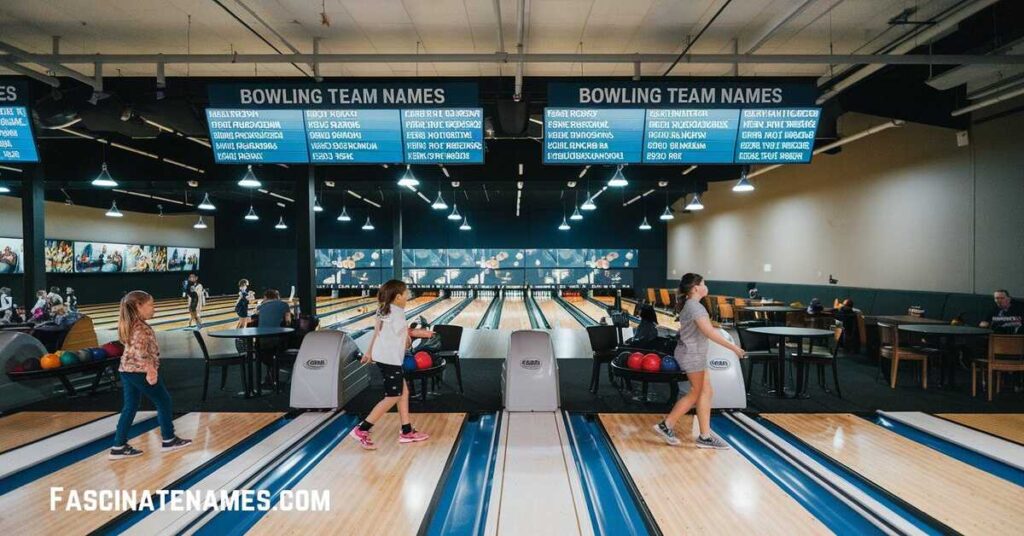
[35, 75]
[17, 55]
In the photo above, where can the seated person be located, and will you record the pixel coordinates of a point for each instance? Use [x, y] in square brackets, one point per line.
[846, 314]
[645, 336]
[273, 313]
[1006, 317]
[40, 311]
[815, 307]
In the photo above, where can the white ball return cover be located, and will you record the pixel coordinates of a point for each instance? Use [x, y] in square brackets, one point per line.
[319, 370]
[530, 376]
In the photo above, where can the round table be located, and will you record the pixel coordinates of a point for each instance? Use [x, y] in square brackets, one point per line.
[784, 333]
[947, 334]
[773, 311]
[250, 335]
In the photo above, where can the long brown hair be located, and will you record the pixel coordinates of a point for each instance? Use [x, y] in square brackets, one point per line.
[129, 316]
[686, 284]
[387, 294]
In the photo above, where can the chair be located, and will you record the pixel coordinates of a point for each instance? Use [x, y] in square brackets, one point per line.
[746, 318]
[223, 363]
[759, 352]
[889, 336]
[726, 314]
[603, 340]
[451, 339]
[822, 359]
[998, 345]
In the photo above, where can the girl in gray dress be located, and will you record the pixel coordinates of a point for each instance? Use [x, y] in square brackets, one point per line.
[692, 353]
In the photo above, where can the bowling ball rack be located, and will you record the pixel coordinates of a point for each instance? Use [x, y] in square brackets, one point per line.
[645, 378]
[63, 374]
[423, 375]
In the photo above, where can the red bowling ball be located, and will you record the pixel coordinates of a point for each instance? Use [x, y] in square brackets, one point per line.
[651, 363]
[423, 360]
[635, 361]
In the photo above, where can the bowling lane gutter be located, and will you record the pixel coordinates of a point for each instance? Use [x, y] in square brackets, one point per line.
[575, 312]
[459, 504]
[483, 323]
[537, 319]
[615, 503]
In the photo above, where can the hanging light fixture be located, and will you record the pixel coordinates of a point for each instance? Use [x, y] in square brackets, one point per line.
[744, 184]
[206, 204]
[439, 203]
[644, 226]
[576, 216]
[316, 205]
[408, 180]
[344, 215]
[200, 224]
[4, 189]
[618, 180]
[667, 215]
[465, 225]
[588, 203]
[695, 203]
[367, 226]
[280, 224]
[104, 180]
[114, 212]
[251, 216]
[564, 226]
[249, 180]
[454, 216]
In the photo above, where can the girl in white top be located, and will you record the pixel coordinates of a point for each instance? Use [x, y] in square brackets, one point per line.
[391, 339]
[6, 305]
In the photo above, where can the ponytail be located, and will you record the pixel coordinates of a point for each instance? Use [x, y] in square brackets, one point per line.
[129, 315]
[387, 294]
[686, 284]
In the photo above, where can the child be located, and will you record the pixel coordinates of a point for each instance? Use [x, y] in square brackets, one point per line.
[6, 305]
[71, 301]
[39, 310]
[196, 299]
[387, 349]
[242, 304]
[139, 368]
[692, 354]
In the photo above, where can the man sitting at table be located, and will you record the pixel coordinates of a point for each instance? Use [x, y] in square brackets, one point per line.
[273, 313]
[1006, 316]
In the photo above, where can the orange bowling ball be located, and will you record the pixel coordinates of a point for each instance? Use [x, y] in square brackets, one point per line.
[651, 363]
[50, 361]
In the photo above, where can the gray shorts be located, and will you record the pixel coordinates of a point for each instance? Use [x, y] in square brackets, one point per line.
[689, 362]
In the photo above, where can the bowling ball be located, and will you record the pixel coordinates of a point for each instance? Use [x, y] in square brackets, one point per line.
[84, 355]
[68, 358]
[114, 349]
[31, 364]
[98, 354]
[409, 363]
[669, 364]
[635, 360]
[10, 365]
[423, 360]
[651, 363]
[16, 369]
[49, 361]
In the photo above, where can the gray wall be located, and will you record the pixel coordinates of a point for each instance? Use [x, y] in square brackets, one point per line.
[902, 209]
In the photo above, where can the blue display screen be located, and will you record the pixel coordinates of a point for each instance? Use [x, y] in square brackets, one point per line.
[689, 136]
[354, 136]
[16, 143]
[777, 135]
[592, 135]
[257, 136]
[443, 135]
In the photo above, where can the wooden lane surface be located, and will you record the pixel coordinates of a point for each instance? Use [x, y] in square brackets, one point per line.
[1005, 425]
[557, 316]
[438, 309]
[968, 500]
[385, 492]
[26, 427]
[221, 309]
[227, 313]
[112, 306]
[668, 321]
[164, 308]
[589, 308]
[368, 322]
[703, 491]
[610, 302]
[514, 315]
[471, 315]
[27, 509]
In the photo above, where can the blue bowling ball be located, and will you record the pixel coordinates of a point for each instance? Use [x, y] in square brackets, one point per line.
[409, 363]
[668, 364]
[98, 354]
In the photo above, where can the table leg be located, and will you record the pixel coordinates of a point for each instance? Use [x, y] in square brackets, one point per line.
[801, 386]
[780, 378]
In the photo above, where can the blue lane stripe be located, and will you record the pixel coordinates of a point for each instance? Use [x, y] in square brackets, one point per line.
[35, 472]
[613, 508]
[853, 478]
[462, 509]
[835, 514]
[123, 523]
[974, 459]
[285, 476]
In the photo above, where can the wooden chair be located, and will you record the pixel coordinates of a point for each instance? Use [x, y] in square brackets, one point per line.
[998, 345]
[223, 363]
[823, 359]
[726, 314]
[651, 298]
[666, 297]
[891, 349]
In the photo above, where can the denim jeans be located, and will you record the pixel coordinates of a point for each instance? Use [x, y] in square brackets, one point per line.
[135, 384]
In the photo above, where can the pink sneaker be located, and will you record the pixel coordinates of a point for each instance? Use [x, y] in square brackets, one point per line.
[412, 437]
[364, 439]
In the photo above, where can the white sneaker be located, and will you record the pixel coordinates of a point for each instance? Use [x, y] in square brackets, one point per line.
[667, 434]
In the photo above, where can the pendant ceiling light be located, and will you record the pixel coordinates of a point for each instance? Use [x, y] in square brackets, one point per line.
[667, 215]
[367, 226]
[249, 180]
[316, 205]
[344, 215]
[280, 224]
[4, 189]
[251, 216]
[744, 184]
[408, 179]
[695, 203]
[644, 226]
[439, 203]
[576, 216]
[200, 224]
[588, 203]
[454, 216]
[206, 204]
[465, 225]
[618, 180]
[564, 226]
[114, 212]
[104, 180]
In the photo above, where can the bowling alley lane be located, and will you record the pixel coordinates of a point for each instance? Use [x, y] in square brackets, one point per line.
[386, 491]
[698, 491]
[966, 499]
[27, 427]
[1009, 426]
[514, 315]
[368, 321]
[471, 315]
[27, 509]
[556, 315]
[589, 308]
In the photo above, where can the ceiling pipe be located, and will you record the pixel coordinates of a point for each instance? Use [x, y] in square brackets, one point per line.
[518, 94]
[988, 102]
[35, 75]
[781, 19]
[925, 36]
[18, 54]
[838, 143]
[500, 57]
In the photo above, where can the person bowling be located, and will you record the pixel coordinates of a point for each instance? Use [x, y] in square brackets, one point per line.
[387, 348]
[139, 371]
[692, 354]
